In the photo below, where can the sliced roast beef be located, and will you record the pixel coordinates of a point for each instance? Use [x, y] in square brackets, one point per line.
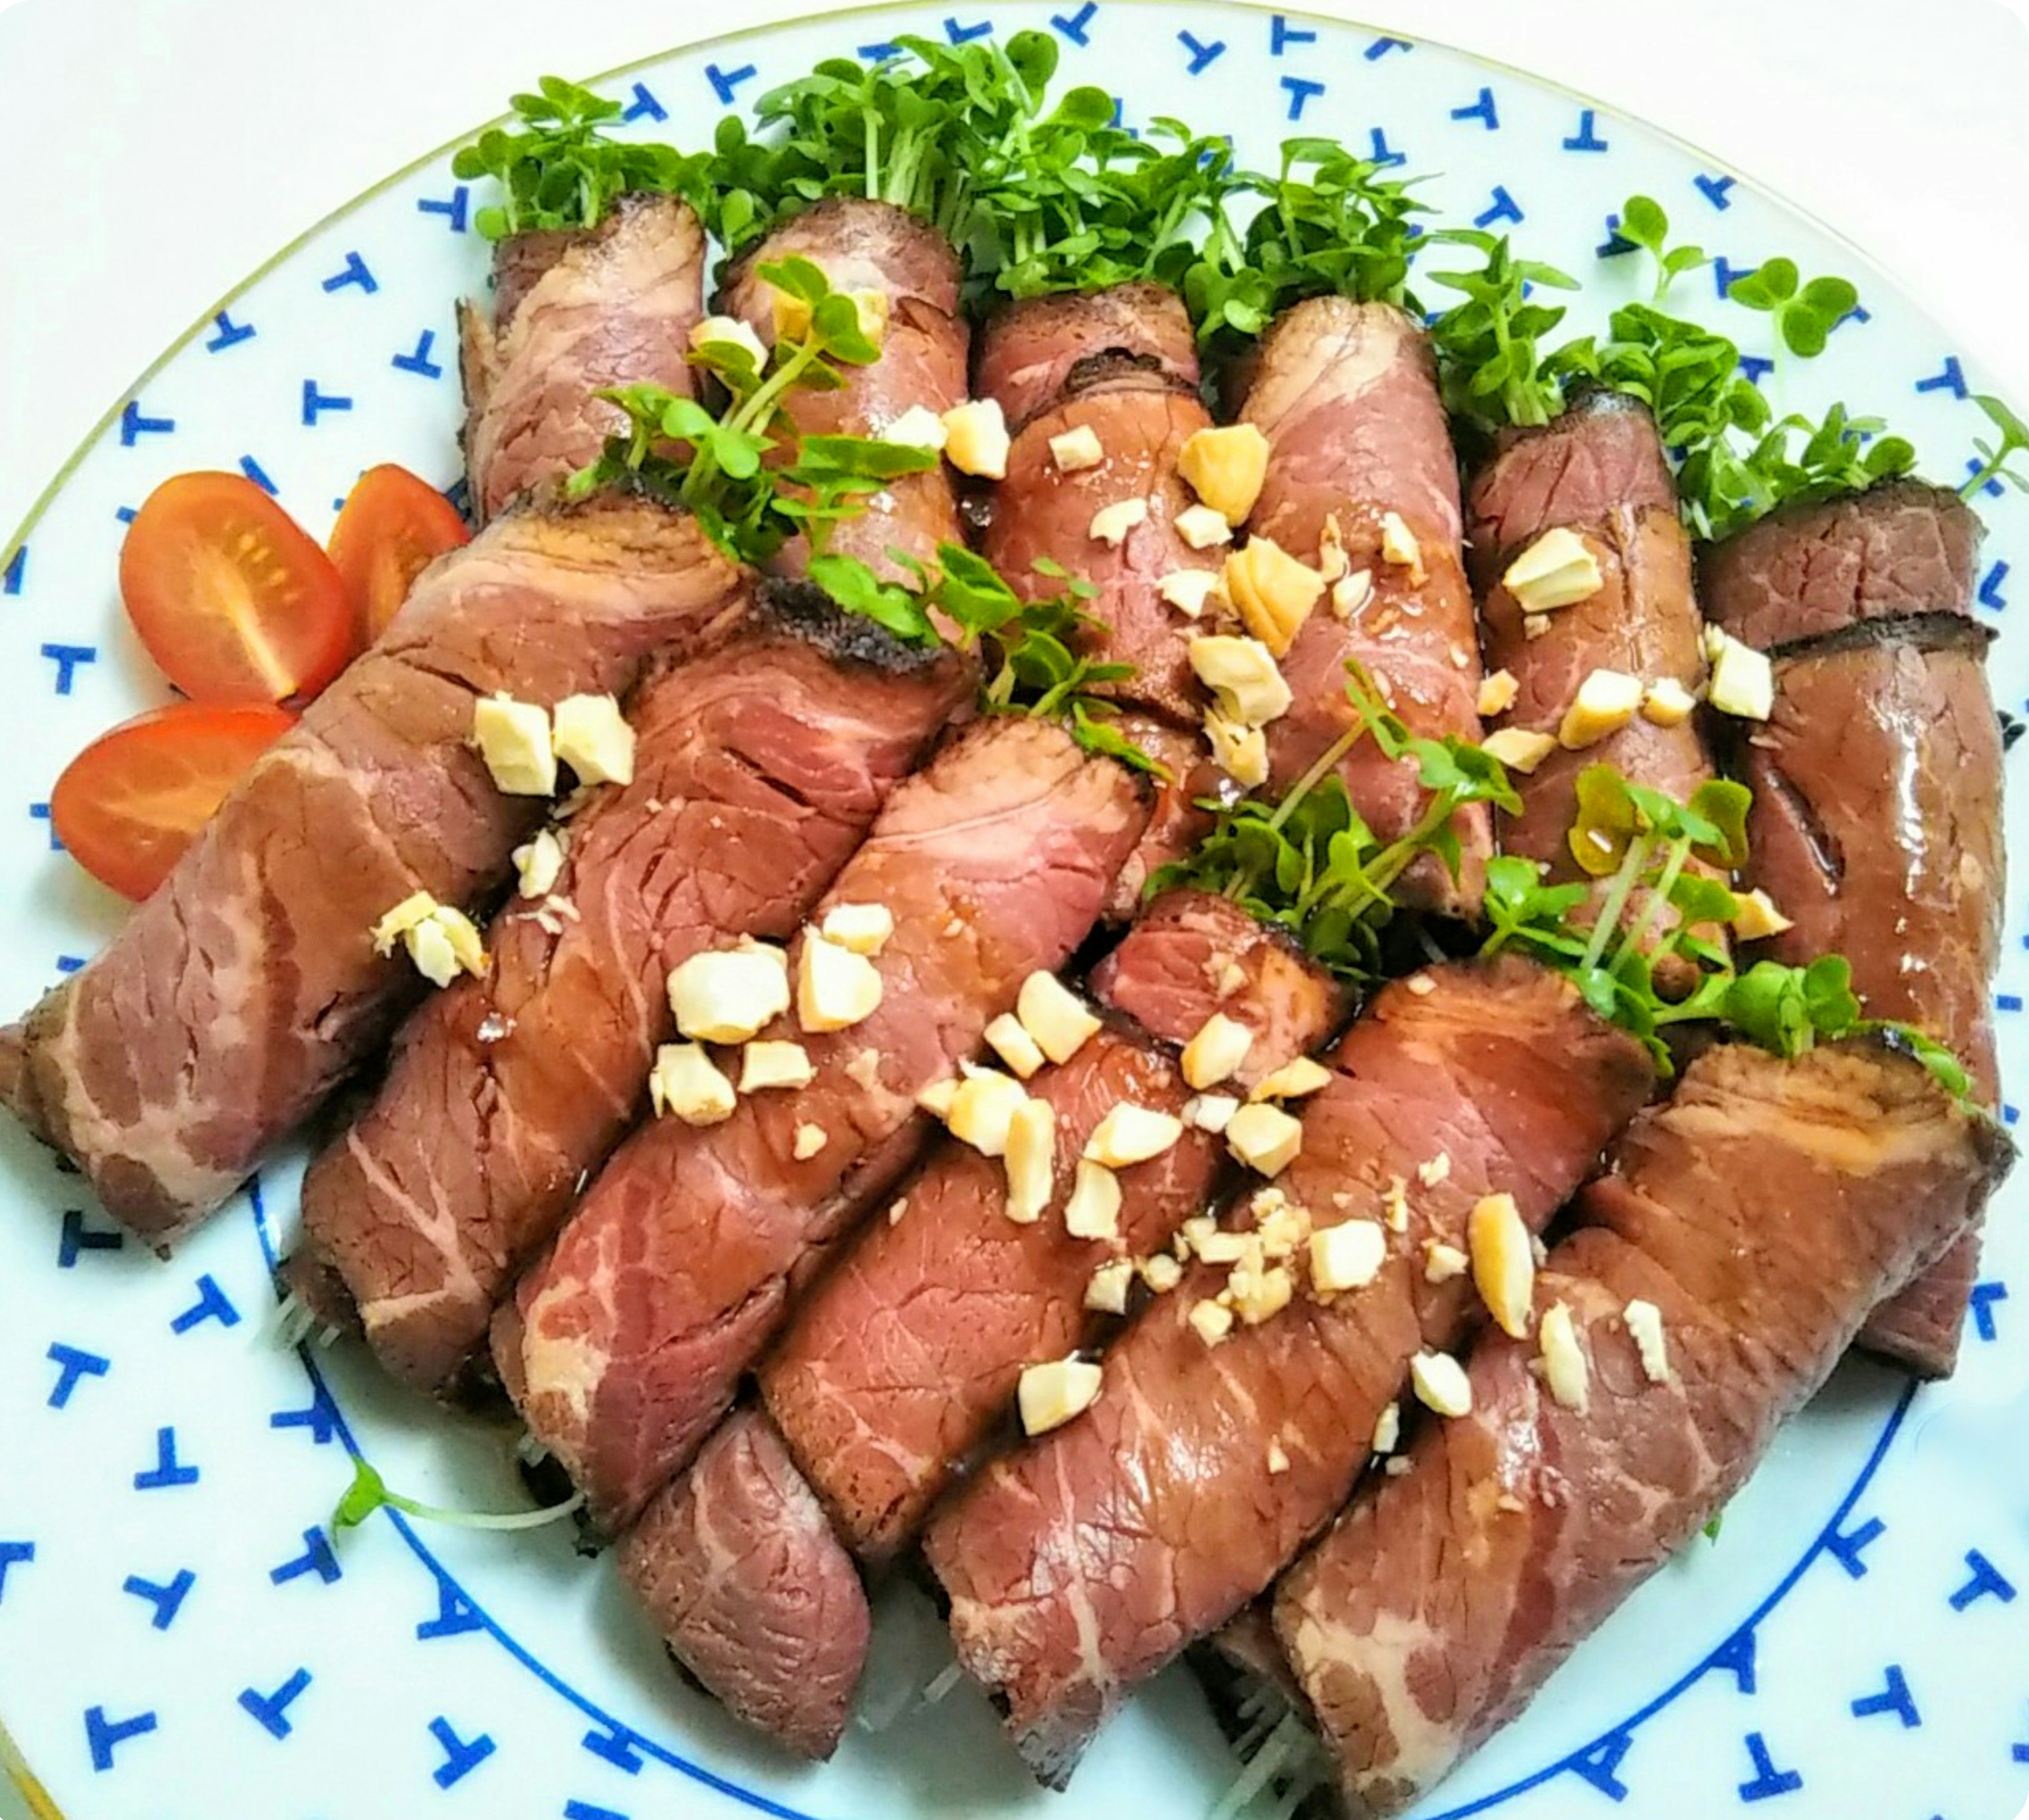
[1179, 822]
[907, 1356]
[738, 1568]
[624, 1345]
[875, 248]
[1077, 1567]
[1598, 472]
[1032, 352]
[1876, 825]
[758, 768]
[1347, 395]
[247, 987]
[574, 312]
[1760, 1214]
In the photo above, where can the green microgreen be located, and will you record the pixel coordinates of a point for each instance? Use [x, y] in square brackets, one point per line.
[1489, 345]
[1644, 224]
[1310, 864]
[1997, 459]
[369, 1492]
[1804, 313]
[1330, 224]
[562, 171]
[722, 466]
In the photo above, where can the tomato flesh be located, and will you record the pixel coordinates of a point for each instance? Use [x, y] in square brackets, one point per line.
[392, 526]
[230, 596]
[130, 803]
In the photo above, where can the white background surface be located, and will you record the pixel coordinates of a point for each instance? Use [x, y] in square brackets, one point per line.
[158, 150]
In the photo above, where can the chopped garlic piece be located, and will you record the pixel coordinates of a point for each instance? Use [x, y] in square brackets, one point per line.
[1226, 468]
[1644, 1327]
[1668, 703]
[1556, 570]
[1758, 917]
[918, 428]
[1278, 1461]
[763, 1066]
[1219, 1048]
[1211, 1322]
[1347, 1257]
[1441, 1262]
[1535, 625]
[1077, 449]
[864, 1069]
[417, 908]
[1222, 1247]
[864, 928]
[1162, 1273]
[430, 949]
[1440, 1384]
[539, 863]
[792, 314]
[1259, 1295]
[1435, 1169]
[1606, 702]
[1398, 545]
[836, 989]
[1111, 523]
[1743, 682]
[729, 329]
[1093, 1209]
[1518, 748]
[1032, 1159]
[1395, 1203]
[1241, 752]
[1129, 1134]
[1332, 561]
[1388, 1429]
[592, 738]
[1503, 1261]
[976, 440]
[1051, 1394]
[982, 1111]
[810, 1139]
[938, 1098]
[1189, 591]
[1212, 1112]
[1107, 1292]
[1497, 691]
[1293, 1081]
[1056, 1016]
[686, 1082]
[513, 740]
[1351, 592]
[1272, 593]
[1241, 674]
[1006, 1037]
[730, 994]
[1564, 1367]
[1202, 528]
[1265, 1138]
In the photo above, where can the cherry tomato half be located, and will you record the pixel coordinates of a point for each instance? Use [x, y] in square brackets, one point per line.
[392, 527]
[128, 805]
[233, 600]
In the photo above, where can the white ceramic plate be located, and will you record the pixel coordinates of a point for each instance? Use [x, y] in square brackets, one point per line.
[178, 1640]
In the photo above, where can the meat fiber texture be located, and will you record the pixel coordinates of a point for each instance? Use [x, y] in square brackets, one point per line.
[1598, 471]
[1035, 352]
[906, 1359]
[758, 768]
[1762, 1210]
[1347, 395]
[1078, 1567]
[624, 1345]
[1142, 421]
[575, 311]
[1876, 825]
[861, 245]
[744, 1578]
[248, 986]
